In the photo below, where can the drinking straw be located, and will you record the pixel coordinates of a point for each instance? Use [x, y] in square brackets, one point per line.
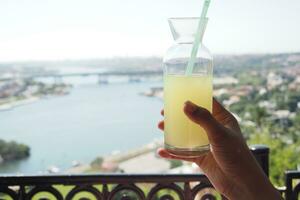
[198, 38]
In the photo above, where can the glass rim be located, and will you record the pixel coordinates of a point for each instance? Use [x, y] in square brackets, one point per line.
[180, 18]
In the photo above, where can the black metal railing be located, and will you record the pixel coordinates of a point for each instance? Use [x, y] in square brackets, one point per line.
[292, 185]
[110, 186]
[128, 186]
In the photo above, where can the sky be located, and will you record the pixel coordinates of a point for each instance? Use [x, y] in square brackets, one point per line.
[83, 29]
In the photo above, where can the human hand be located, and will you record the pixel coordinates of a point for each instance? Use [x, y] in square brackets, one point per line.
[230, 166]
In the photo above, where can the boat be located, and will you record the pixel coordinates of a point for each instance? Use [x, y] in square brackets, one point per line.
[76, 163]
[53, 170]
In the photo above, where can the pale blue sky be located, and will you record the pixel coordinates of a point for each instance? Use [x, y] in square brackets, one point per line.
[75, 29]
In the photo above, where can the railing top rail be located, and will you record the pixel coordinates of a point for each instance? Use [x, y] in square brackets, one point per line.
[100, 178]
[259, 148]
[293, 174]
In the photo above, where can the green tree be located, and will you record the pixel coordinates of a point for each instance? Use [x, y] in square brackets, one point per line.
[175, 163]
[293, 99]
[13, 150]
[97, 163]
[258, 114]
[283, 155]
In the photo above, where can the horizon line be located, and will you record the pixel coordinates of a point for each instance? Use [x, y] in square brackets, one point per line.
[142, 57]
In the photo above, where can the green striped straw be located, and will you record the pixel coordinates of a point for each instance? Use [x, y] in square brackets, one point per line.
[198, 38]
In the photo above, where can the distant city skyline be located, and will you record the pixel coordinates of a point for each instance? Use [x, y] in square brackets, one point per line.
[75, 29]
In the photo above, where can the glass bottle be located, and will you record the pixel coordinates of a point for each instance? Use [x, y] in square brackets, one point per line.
[182, 136]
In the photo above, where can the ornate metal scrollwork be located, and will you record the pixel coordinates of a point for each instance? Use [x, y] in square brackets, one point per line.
[130, 192]
[166, 197]
[197, 192]
[85, 188]
[6, 191]
[159, 187]
[296, 191]
[48, 189]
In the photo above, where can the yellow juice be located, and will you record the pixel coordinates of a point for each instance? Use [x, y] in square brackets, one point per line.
[180, 132]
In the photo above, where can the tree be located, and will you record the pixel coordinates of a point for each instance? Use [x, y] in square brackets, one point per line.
[175, 163]
[13, 150]
[283, 155]
[258, 114]
[293, 99]
[97, 163]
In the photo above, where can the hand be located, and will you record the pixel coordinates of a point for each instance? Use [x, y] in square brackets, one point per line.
[230, 166]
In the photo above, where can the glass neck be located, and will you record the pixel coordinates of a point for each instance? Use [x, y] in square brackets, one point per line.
[185, 39]
[184, 29]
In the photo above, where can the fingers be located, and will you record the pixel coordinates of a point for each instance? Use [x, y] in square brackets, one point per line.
[165, 154]
[200, 116]
[161, 125]
[219, 111]
[218, 108]
[215, 131]
[224, 117]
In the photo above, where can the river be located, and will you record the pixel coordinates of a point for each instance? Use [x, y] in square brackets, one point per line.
[93, 120]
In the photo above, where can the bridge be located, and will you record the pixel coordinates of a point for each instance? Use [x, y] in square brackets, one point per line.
[99, 74]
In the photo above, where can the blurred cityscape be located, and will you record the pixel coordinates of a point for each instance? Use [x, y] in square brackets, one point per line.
[262, 91]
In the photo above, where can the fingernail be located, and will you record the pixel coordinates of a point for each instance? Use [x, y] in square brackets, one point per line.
[190, 107]
[163, 154]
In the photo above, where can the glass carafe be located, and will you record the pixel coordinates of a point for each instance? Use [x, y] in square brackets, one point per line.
[182, 136]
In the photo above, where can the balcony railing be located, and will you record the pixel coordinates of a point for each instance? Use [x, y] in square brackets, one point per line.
[129, 186]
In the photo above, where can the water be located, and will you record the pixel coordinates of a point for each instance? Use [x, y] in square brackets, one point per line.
[93, 120]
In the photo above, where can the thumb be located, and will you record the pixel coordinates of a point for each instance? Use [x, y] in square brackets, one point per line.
[216, 132]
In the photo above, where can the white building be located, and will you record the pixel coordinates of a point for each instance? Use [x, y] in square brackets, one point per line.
[274, 80]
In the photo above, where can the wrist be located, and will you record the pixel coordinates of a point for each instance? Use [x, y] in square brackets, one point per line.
[254, 185]
[255, 191]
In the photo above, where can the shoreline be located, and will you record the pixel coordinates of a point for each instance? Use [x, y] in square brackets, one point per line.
[16, 103]
[113, 161]
[143, 159]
